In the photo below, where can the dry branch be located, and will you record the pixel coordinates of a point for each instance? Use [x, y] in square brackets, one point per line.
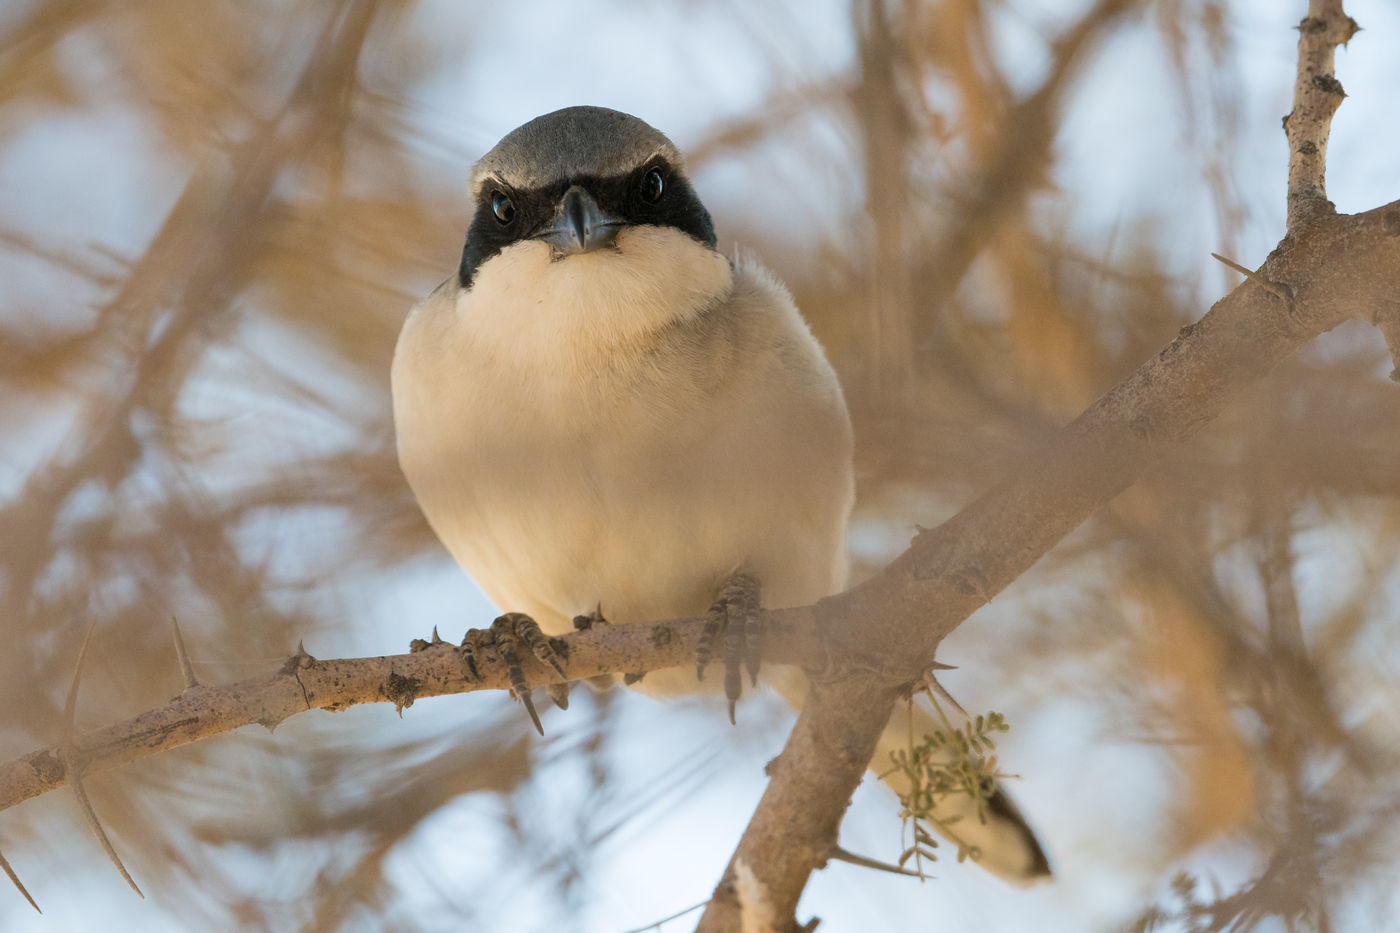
[305, 683]
[1334, 267]
[1328, 269]
[1316, 96]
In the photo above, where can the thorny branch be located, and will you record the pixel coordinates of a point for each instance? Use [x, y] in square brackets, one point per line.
[1334, 268]
[1316, 96]
[304, 682]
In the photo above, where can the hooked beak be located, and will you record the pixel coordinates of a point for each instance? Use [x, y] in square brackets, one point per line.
[580, 225]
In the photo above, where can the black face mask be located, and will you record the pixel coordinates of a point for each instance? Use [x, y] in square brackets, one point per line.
[652, 195]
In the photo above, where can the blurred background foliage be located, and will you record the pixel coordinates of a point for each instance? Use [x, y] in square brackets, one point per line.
[214, 216]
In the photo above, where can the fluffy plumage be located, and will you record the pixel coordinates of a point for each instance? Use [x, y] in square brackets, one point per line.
[631, 424]
[627, 427]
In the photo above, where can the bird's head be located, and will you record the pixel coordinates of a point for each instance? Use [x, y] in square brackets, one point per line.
[586, 236]
[575, 181]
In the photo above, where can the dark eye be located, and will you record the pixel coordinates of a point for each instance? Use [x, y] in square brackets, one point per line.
[653, 186]
[501, 207]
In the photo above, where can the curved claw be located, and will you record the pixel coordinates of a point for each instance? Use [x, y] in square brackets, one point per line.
[507, 632]
[705, 650]
[753, 646]
[524, 697]
[528, 631]
[732, 617]
[475, 642]
[509, 635]
[735, 635]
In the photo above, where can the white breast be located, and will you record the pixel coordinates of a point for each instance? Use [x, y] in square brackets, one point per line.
[624, 427]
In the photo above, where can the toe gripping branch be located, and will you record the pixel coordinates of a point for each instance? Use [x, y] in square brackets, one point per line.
[511, 635]
[734, 616]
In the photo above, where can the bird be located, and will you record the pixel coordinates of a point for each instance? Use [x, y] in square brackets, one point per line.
[601, 414]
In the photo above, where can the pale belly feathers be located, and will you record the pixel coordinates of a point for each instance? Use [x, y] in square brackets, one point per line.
[637, 479]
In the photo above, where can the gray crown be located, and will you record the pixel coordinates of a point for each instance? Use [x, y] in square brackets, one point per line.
[569, 143]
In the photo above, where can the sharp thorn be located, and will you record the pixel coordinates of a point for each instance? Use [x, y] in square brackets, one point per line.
[940, 666]
[70, 705]
[732, 721]
[1253, 276]
[1232, 264]
[14, 879]
[841, 855]
[67, 754]
[182, 656]
[931, 683]
[91, 816]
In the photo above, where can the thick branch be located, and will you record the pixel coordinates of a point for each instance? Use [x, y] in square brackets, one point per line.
[1316, 96]
[1333, 268]
[306, 683]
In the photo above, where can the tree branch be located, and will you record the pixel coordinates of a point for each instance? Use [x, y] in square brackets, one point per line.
[305, 683]
[888, 628]
[1328, 269]
[1316, 96]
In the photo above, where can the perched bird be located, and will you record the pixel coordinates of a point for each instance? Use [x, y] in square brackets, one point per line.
[601, 409]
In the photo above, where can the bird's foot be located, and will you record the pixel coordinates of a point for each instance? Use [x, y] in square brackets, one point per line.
[511, 635]
[734, 615]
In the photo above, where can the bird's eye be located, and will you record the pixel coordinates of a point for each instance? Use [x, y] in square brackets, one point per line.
[653, 186]
[501, 207]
